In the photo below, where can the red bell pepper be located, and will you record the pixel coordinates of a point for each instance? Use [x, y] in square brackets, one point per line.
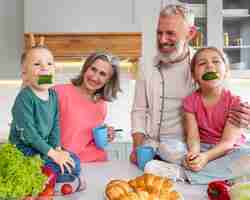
[47, 171]
[48, 191]
[218, 190]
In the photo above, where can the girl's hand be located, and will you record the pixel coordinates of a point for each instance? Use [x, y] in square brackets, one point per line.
[199, 162]
[62, 158]
[240, 115]
[190, 156]
[111, 133]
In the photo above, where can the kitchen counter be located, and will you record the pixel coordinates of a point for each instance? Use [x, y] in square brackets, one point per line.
[100, 173]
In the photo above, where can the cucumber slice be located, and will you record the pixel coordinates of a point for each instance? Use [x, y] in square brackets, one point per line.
[45, 79]
[210, 76]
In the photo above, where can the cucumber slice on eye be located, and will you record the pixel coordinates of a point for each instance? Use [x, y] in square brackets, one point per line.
[45, 79]
[210, 76]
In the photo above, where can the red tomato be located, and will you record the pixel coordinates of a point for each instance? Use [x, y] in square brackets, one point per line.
[66, 189]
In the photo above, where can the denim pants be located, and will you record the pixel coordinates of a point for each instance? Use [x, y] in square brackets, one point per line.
[66, 176]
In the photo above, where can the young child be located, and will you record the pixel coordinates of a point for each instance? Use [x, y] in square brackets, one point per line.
[209, 134]
[35, 125]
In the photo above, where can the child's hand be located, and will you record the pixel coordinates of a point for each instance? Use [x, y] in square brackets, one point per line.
[189, 158]
[198, 162]
[62, 158]
[58, 148]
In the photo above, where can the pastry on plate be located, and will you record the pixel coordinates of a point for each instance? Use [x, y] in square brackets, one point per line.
[145, 187]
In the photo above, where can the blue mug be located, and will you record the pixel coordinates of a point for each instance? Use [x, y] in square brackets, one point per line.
[144, 154]
[100, 134]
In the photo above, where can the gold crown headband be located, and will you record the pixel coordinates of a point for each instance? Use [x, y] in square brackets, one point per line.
[33, 41]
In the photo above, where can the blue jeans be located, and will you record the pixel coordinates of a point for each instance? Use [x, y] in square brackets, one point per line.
[66, 176]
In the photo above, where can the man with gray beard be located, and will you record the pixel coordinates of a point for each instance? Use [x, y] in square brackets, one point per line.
[157, 108]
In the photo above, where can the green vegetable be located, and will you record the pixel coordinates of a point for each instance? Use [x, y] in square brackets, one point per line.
[240, 191]
[210, 76]
[20, 176]
[45, 79]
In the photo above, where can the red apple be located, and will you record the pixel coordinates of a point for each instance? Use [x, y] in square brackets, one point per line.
[66, 189]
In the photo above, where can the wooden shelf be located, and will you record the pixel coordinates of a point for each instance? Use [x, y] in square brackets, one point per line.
[75, 46]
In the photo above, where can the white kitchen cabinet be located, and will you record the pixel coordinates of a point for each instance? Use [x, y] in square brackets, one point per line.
[81, 16]
[236, 32]
[226, 25]
[120, 148]
[119, 151]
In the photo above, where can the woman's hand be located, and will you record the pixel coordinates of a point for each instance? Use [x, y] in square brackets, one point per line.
[62, 158]
[111, 133]
[240, 115]
[197, 162]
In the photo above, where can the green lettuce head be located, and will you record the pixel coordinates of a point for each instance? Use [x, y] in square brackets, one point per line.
[20, 176]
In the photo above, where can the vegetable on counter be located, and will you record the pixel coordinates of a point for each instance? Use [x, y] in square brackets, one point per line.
[218, 190]
[240, 191]
[20, 176]
[66, 189]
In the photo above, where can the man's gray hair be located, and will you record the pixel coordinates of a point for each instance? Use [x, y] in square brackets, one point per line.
[182, 9]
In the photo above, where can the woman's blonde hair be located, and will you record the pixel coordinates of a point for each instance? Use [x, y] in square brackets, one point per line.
[220, 53]
[109, 91]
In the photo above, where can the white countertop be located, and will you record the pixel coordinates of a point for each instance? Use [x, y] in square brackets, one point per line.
[100, 173]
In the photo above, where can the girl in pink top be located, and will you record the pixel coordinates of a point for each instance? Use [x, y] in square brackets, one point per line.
[206, 111]
[83, 105]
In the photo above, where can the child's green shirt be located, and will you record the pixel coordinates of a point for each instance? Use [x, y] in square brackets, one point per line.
[35, 121]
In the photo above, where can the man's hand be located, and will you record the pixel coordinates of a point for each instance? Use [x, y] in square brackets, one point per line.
[240, 115]
[133, 157]
[138, 139]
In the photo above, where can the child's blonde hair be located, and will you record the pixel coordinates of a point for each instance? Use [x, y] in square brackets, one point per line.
[218, 51]
[34, 45]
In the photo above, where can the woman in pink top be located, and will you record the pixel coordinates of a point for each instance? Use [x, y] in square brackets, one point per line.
[207, 109]
[83, 105]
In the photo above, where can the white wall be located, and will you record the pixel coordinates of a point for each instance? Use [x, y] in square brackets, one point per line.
[11, 37]
[81, 16]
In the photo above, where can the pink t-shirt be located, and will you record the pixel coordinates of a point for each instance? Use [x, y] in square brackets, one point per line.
[78, 116]
[211, 120]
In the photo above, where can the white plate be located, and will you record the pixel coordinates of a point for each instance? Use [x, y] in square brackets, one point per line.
[106, 198]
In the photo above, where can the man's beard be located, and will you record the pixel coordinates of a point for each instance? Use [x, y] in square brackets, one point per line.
[177, 54]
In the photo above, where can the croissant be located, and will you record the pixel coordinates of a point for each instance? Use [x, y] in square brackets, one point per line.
[117, 188]
[145, 187]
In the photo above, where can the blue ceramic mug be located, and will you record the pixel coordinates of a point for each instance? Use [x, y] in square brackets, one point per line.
[100, 134]
[144, 154]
